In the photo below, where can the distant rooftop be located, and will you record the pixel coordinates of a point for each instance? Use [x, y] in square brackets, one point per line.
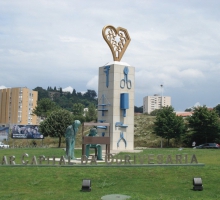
[184, 114]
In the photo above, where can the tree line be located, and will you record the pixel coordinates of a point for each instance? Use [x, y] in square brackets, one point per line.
[66, 99]
[203, 126]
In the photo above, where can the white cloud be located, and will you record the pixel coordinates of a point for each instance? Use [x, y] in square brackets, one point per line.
[191, 73]
[197, 104]
[70, 39]
[93, 83]
[68, 89]
[2, 87]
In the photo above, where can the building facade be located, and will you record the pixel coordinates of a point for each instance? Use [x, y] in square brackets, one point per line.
[151, 103]
[16, 106]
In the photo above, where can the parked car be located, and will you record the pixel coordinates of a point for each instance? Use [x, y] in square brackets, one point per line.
[208, 146]
[2, 145]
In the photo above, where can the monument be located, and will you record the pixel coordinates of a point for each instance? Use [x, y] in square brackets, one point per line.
[70, 136]
[116, 91]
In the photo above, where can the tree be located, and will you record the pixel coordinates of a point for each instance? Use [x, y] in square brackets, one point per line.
[49, 88]
[168, 125]
[217, 109]
[154, 112]
[78, 109]
[42, 93]
[204, 125]
[68, 95]
[138, 109]
[91, 114]
[188, 109]
[78, 112]
[74, 93]
[56, 123]
[44, 107]
[90, 94]
[61, 92]
[79, 94]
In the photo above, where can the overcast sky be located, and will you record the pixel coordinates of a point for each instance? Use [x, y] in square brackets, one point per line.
[59, 43]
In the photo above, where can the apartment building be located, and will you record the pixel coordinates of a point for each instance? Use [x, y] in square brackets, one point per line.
[151, 103]
[16, 106]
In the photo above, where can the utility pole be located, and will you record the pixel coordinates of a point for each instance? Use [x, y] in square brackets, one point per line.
[161, 95]
[161, 142]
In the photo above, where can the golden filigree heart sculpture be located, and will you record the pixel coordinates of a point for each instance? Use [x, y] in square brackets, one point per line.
[119, 47]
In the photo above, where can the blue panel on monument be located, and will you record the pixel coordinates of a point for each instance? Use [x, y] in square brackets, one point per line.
[124, 102]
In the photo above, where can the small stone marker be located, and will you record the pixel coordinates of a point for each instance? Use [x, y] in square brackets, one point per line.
[115, 197]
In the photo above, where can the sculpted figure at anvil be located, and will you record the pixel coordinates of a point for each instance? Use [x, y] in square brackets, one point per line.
[93, 133]
[70, 135]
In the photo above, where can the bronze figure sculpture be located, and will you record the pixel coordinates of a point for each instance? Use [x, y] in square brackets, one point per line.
[97, 147]
[70, 135]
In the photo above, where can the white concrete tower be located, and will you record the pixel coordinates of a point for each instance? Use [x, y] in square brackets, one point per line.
[116, 103]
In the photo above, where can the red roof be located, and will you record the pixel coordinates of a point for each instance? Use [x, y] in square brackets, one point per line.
[184, 114]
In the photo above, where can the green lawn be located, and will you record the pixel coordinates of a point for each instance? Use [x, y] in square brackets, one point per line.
[159, 183]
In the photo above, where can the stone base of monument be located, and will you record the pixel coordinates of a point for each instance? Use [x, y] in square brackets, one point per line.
[115, 196]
